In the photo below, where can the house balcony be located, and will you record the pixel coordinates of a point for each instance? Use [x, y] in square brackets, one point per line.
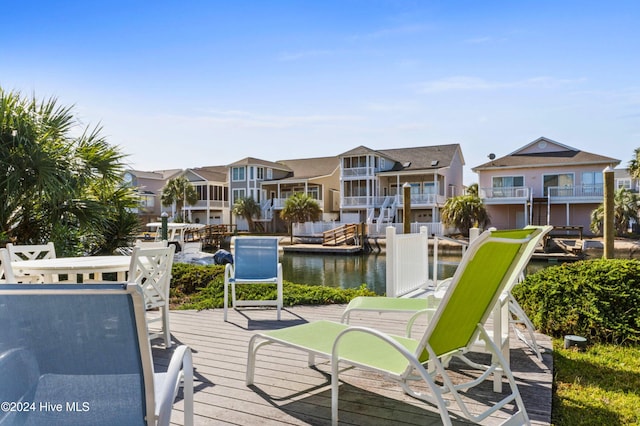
[355, 172]
[576, 194]
[278, 203]
[555, 194]
[417, 201]
[505, 195]
[210, 204]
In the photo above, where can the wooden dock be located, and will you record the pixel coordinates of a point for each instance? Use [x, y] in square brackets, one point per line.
[287, 392]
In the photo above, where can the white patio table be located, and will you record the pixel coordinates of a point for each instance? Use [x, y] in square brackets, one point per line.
[74, 266]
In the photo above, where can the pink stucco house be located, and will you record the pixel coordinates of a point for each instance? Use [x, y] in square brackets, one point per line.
[544, 182]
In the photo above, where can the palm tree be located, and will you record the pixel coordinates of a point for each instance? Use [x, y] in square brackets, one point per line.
[300, 208]
[634, 164]
[473, 190]
[179, 191]
[465, 212]
[247, 208]
[48, 175]
[625, 209]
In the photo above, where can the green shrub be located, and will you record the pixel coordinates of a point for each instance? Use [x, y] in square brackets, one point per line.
[202, 287]
[598, 299]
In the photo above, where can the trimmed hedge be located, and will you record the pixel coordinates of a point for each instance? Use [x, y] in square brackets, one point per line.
[201, 287]
[598, 299]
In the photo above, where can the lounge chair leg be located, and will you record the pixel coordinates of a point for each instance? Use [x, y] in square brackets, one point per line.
[251, 361]
[335, 388]
[165, 326]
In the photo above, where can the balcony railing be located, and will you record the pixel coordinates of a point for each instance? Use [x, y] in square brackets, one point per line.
[587, 192]
[576, 193]
[416, 200]
[505, 192]
[358, 171]
[212, 204]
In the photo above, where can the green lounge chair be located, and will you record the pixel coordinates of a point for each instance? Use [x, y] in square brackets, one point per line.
[456, 324]
[427, 305]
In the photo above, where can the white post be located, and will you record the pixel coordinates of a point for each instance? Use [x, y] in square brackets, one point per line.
[390, 243]
[425, 230]
[473, 234]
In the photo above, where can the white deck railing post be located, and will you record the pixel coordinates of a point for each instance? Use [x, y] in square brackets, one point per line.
[407, 261]
[391, 262]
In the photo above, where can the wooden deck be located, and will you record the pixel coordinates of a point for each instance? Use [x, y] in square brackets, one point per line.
[287, 392]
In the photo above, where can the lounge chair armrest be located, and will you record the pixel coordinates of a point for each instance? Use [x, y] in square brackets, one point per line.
[180, 370]
[228, 271]
[428, 312]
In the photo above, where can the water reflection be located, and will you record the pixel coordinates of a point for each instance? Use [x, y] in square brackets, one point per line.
[349, 271]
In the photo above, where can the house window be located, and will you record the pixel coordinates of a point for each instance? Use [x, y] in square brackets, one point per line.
[592, 182]
[356, 188]
[354, 162]
[623, 183]
[269, 174]
[238, 193]
[429, 188]
[201, 190]
[147, 201]
[314, 192]
[237, 174]
[251, 173]
[564, 181]
[217, 193]
[260, 173]
[508, 181]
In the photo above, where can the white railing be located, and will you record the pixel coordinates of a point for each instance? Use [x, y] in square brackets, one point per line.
[358, 171]
[310, 229]
[362, 201]
[379, 229]
[584, 191]
[218, 204]
[407, 262]
[505, 192]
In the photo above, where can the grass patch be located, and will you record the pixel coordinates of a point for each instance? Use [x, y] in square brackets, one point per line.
[202, 287]
[600, 386]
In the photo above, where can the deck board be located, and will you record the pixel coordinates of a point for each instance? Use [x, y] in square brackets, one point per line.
[288, 392]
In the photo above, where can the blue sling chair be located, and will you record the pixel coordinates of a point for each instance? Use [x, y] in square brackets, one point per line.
[73, 354]
[484, 273]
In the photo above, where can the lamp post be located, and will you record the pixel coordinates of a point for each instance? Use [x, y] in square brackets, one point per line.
[163, 232]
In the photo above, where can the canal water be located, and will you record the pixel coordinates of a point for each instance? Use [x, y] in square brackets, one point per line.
[349, 271]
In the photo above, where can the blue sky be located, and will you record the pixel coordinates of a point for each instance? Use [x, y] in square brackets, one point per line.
[180, 84]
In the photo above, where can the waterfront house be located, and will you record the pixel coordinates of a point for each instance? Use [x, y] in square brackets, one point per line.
[371, 184]
[271, 183]
[543, 183]
[149, 190]
[317, 177]
[245, 181]
[211, 184]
